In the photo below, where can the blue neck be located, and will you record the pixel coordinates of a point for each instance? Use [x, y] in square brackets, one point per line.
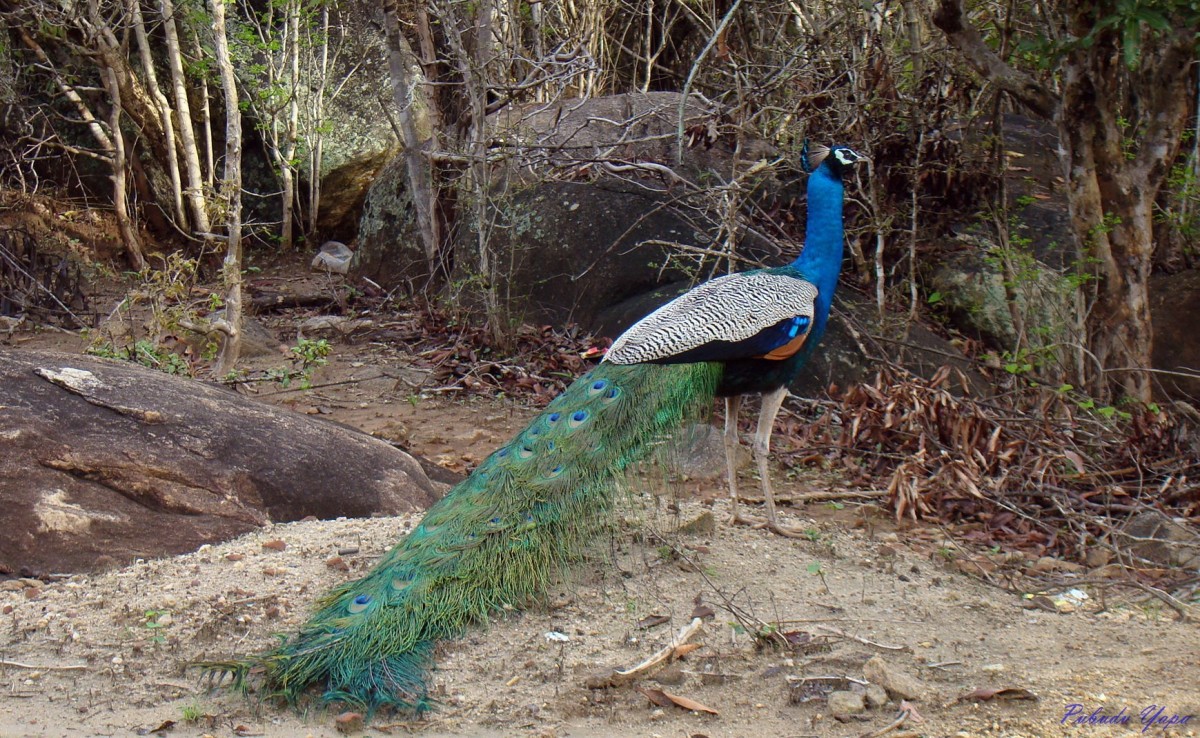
[820, 262]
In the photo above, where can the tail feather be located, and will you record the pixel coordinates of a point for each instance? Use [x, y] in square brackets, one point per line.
[495, 541]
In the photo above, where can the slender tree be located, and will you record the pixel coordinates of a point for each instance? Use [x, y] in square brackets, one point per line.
[231, 197]
[183, 109]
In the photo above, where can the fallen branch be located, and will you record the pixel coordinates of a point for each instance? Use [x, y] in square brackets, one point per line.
[863, 641]
[37, 667]
[661, 657]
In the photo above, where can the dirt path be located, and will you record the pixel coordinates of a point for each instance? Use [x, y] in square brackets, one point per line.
[104, 655]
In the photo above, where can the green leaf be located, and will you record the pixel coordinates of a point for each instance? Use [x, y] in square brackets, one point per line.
[1153, 18]
[1131, 44]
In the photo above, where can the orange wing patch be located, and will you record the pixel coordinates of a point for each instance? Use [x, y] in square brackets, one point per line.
[786, 351]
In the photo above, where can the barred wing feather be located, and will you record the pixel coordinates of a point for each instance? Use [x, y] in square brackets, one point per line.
[730, 308]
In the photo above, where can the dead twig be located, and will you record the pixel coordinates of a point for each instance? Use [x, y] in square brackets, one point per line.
[40, 667]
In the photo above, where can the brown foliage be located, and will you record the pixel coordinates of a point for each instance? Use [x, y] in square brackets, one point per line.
[1018, 471]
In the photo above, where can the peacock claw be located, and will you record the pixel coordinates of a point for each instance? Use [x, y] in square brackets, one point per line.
[738, 519]
[767, 524]
[785, 531]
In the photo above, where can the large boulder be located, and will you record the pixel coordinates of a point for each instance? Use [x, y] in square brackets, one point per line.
[389, 251]
[586, 205]
[979, 272]
[103, 462]
[571, 249]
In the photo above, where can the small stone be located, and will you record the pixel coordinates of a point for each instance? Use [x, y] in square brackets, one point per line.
[1045, 565]
[337, 563]
[843, 705]
[704, 523]
[895, 680]
[348, 722]
[992, 668]
[6, 609]
[234, 557]
[275, 545]
[165, 619]
[671, 676]
[31, 593]
[876, 696]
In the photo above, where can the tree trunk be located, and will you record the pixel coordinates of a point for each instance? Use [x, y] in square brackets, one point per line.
[187, 137]
[416, 129]
[129, 237]
[317, 119]
[210, 166]
[164, 109]
[288, 153]
[1119, 128]
[231, 195]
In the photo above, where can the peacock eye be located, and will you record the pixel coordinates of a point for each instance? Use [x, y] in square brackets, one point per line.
[553, 417]
[556, 471]
[597, 387]
[502, 453]
[612, 394]
[525, 452]
[360, 603]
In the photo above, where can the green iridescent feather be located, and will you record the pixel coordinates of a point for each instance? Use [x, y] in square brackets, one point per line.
[494, 542]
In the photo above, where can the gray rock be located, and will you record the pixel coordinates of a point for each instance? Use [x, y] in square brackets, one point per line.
[899, 683]
[106, 461]
[876, 696]
[843, 705]
[1163, 540]
[571, 248]
[334, 256]
[389, 251]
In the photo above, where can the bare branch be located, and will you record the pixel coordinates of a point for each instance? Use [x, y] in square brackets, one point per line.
[964, 37]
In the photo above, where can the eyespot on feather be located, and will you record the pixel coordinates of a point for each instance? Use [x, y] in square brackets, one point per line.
[577, 418]
[359, 603]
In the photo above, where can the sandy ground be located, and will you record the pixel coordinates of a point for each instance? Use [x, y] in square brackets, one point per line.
[105, 655]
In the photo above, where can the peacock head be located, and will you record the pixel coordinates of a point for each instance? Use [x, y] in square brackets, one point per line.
[836, 158]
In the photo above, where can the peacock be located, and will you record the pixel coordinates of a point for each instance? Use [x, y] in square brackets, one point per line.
[504, 534]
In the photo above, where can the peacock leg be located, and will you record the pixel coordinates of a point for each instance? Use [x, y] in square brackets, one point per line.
[732, 404]
[771, 402]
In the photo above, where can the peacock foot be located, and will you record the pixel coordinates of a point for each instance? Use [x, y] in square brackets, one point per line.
[766, 524]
